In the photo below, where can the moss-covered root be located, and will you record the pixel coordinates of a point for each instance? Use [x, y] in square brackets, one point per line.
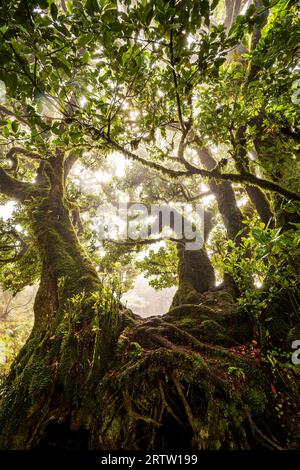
[163, 385]
[169, 388]
[176, 398]
[57, 370]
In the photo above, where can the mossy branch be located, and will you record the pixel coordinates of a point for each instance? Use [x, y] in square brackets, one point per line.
[192, 170]
[245, 177]
[13, 188]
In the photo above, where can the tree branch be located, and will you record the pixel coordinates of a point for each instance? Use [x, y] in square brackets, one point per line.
[68, 163]
[193, 170]
[186, 194]
[175, 82]
[13, 188]
[20, 151]
[215, 174]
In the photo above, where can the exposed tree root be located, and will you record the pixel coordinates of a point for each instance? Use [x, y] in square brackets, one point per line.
[167, 386]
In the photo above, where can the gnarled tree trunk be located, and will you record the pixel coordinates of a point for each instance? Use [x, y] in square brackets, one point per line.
[75, 326]
[195, 272]
[195, 275]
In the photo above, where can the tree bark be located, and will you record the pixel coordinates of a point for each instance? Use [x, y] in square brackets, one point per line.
[195, 272]
[227, 205]
[75, 326]
[263, 143]
[255, 194]
[224, 194]
[232, 9]
[195, 275]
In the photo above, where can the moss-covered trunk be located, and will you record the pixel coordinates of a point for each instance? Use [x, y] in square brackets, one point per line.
[76, 323]
[195, 275]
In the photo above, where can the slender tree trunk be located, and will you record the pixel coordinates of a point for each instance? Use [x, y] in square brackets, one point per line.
[242, 163]
[227, 205]
[224, 194]
[255, 194]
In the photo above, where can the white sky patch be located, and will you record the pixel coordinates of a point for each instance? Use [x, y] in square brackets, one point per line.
[204, 187]
[2, 91]
[134, 114]
[86, 179]
[48, 107]
[121, 7]
[118, 163]
[102, 176]
[206, 200]
[108, 223]
[245, 8]
[7, 209]
[141, 37]
[190, 39]
[90, 181]
[146, 301]
[242, 202]
[82, 101]
[124, 197]
[192, 153]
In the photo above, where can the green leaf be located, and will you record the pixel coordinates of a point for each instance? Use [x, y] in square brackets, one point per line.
[6, 132]
[85, 39]
[60, 65]
[11, 82]
[43, 4]
[149, 17]
[54, 11]
[15, 126]
[126, 55]
[86, 57]
[92, 7]
[250, 11]
[214, 4]
[4, 28]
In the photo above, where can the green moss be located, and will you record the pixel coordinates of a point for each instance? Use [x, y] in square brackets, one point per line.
[189, 322]
[191, 311]
[185, 294]
[257, 400]
[64, 360]
[124, 388]
[60, 247]
[138, 390]
[215, 333]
